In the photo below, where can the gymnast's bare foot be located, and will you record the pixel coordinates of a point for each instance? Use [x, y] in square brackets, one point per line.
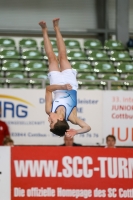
[43, 24]
[56, 22]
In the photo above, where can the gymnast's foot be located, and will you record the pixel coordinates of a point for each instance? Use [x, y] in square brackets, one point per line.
[43, 24]
[56, 22]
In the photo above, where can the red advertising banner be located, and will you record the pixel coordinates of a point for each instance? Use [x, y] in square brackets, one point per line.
[71, 173]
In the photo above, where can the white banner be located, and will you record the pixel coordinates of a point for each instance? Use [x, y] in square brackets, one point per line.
[24, 112]
[118, 116]
[5, 173]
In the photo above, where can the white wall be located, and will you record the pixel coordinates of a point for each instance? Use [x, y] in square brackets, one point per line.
[25, 14]
[111, 14]
[77, 15]
[131, 15]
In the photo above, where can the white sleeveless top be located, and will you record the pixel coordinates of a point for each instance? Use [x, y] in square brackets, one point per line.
[66, 98]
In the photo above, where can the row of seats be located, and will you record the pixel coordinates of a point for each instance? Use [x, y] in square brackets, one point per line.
[99, 67]
[91, 43]
[23, 83]
[86, 76]
[91, 83]
[81, 67]
[74, 55]
[39, 70]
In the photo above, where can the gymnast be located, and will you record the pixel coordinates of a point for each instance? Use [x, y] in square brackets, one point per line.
[63, 85]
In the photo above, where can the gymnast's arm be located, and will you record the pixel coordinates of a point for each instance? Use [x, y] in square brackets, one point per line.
[52, 88]
[48, 95]
[84, 127]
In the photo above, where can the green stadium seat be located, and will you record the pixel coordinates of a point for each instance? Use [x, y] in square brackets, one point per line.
[130, 86]
[119, 87]
[37, 84]
[27, 43]
[9, 54]
[104, 67]
[120, 56]
[117, 83]
[38, 75]
[98, 56]
[36, 66]
[19, 86]
[129, 77]
[72, 44]
[32, 55]
[76, 56]
[124, 69]
[16, 83]
[7, 43]
[15, 75]
[86, 81]
[113, 45]
[82, 66]
[112, 77]
[86, 76]
[12, 66]
[93, 44]
[92, 87]
[128, 82]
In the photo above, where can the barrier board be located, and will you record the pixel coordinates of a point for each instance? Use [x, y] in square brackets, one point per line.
[71, 173]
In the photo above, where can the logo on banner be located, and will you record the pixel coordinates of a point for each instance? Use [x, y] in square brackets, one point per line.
[108, 167]
[19, 110]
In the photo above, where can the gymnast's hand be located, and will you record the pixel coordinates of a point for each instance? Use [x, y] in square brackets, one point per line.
[67, 87]
[71, 133]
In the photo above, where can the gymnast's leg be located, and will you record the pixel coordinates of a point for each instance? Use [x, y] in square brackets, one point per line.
[64, 63]
[53, 63]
